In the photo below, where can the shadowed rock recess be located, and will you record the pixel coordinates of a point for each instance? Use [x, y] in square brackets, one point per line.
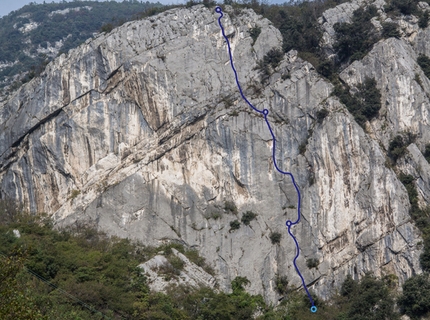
[142, 133]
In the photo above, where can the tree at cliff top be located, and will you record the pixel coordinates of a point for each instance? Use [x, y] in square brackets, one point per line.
[298, 23]
[355, 39]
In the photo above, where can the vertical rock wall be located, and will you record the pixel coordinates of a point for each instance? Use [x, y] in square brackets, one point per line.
[142, 132]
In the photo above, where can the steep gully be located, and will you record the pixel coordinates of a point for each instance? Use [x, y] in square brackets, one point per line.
[265, 113]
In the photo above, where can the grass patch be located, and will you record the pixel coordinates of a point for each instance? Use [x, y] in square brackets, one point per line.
[74, 194]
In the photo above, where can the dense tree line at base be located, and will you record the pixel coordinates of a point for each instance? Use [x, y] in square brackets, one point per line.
[80, 273]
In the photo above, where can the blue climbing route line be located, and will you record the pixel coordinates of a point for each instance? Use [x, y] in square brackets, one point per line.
[265, 112]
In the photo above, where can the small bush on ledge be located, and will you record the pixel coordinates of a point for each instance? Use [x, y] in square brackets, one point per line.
[234, 225]
[230, 206]
[275, 237]
[247, 217]
[281, 283]
[312, 263]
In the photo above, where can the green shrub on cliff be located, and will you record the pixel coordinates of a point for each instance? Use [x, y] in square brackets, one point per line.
[415, 298]
[424, 62]
[355, 39]
[363, 105]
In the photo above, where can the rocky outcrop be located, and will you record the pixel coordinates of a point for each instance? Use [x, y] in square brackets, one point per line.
[161, 274]
[143, 132]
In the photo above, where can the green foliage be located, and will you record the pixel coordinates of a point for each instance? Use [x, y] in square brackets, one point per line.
[368, 299]
[420, 217]
[425, 255]
[228, 102]
[230, 206]
[302, 147]
[415, 298]
[298, 23]
[73, 28]
[405, 7]
[424, 62]
[407, 181]
[209, 3]
[254, 33]
[101, 272]
[215, 215]
[356, 39]
[389, 30]
[370, 99]
[264, 70]
[326, 68]
[16, 301]
[194, 256]
[247, 217]
[281, 284]
[176, 263]
[75, 193]
[239, 283]
[86, 263]
[396, 148]
[312, 263]
[234, 225]
[423, 20]
[204, 303]
[273, 57]
[206, 3]
[365, 104]
[398, 145]
[270, 61]
[275, 237]
[9, 212]
[348, 287]
[108, 27]
[427, 152]
[321, 115]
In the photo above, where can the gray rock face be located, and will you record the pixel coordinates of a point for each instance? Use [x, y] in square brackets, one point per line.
[143, 132]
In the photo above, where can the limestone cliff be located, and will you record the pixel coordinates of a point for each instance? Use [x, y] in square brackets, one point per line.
[143, 133]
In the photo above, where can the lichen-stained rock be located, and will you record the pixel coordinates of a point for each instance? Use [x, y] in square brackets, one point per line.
[143, 132]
